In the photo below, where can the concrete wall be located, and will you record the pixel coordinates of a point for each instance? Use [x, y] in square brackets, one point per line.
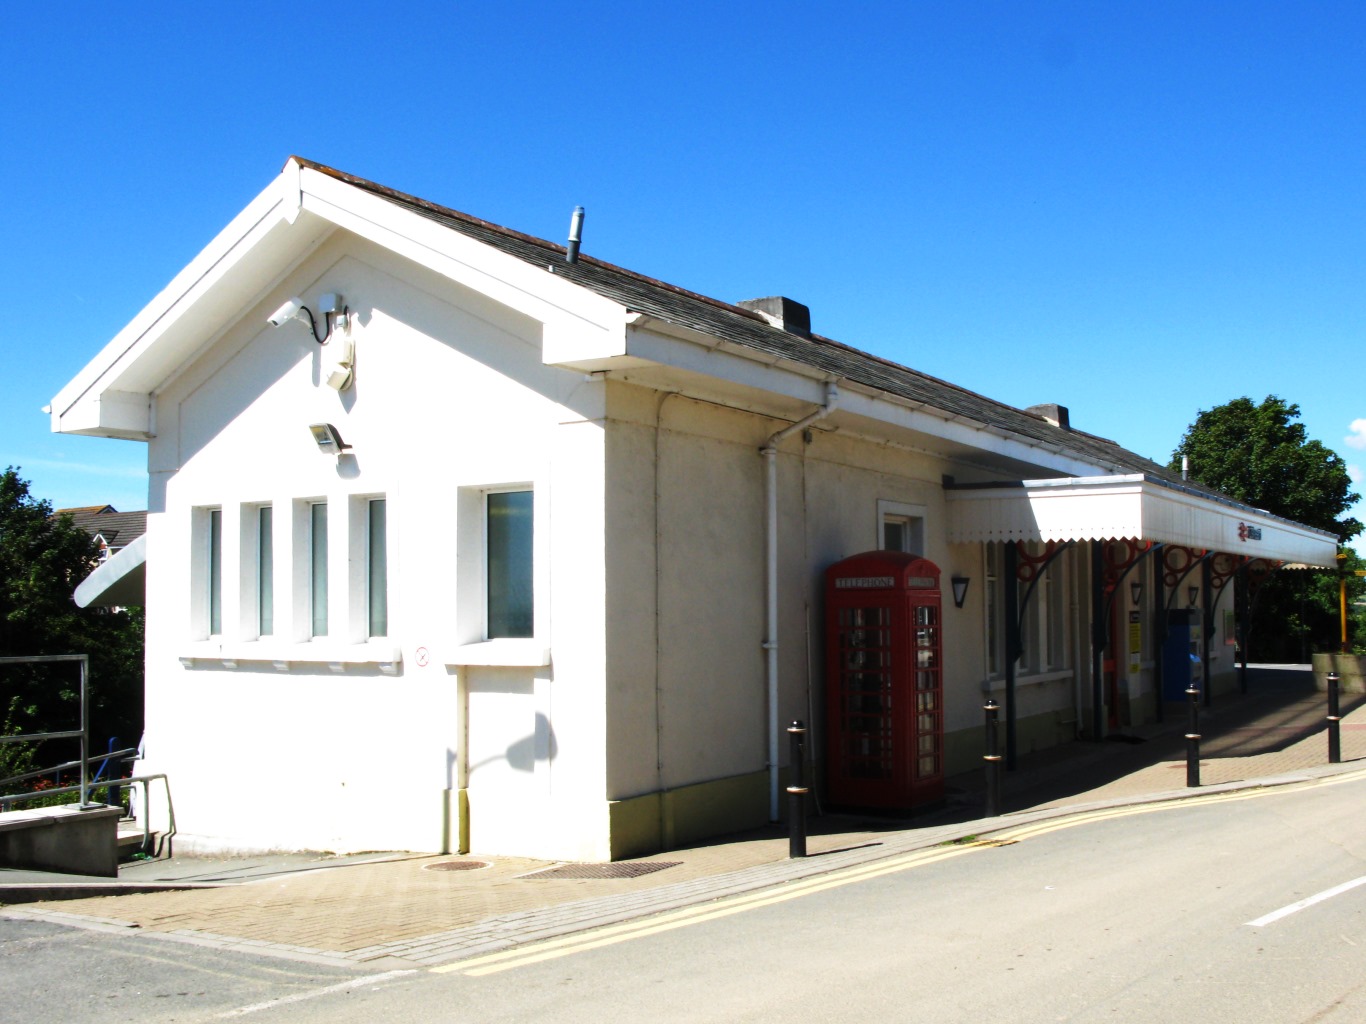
[1351, 670]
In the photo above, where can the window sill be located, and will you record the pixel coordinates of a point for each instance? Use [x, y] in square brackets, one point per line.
[283, 655]
[509, 653]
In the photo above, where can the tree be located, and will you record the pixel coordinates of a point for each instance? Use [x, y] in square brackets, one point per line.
[42, 559]
[1260, 455]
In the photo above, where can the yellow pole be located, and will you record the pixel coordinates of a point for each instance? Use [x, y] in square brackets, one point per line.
[1342, 596]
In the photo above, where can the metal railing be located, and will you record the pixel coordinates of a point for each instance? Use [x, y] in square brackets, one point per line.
[85, 785]
[80, 733]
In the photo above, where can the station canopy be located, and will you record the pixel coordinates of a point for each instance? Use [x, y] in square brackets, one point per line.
[1138, 507]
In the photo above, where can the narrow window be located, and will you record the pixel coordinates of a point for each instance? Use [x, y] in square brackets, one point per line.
[508, 539]
[1057, 616]
[895, 533]
[265, 571]
[318, 566]
[215, 572]
[901, 527]
[378, 568]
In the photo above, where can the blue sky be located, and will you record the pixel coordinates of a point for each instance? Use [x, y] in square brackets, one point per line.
[1136, 210]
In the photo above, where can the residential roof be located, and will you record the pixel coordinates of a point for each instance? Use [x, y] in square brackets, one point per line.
[117, 528]
[747, 328]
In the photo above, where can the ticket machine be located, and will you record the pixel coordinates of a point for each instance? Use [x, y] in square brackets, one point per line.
[884, 686]
[1181, 665]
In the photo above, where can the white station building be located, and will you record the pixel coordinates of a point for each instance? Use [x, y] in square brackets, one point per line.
[460, 540]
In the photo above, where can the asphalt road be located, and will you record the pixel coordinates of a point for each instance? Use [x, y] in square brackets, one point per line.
[1134, 916]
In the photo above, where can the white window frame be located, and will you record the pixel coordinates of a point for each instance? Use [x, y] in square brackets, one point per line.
[206, 572]
[360, 549]
[290, 545]
[256, 570]
[319, 577]
[910, 517]
[263, 558]
[475, 647]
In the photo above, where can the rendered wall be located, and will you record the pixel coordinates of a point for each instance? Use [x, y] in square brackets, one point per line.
[685, 624]
[349, 743]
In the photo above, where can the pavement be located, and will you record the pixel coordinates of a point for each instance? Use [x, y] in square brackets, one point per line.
[385, 911]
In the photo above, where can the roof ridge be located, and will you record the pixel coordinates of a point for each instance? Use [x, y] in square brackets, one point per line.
[446, 211]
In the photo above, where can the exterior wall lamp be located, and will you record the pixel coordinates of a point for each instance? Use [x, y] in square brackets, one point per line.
[328, 440]
[960, 590]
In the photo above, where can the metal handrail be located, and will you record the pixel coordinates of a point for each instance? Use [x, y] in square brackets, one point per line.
[7, 803]
[96, 783]
[30, 737]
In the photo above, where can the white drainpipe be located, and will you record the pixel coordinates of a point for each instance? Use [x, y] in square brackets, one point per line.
[770, 453]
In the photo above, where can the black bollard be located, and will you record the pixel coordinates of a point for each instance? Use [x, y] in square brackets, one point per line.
[992, 760]
[1193, 739]
[1334, 720]
[796, 793]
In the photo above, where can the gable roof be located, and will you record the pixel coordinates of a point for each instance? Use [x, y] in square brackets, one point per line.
[594, 315]
[749, 329]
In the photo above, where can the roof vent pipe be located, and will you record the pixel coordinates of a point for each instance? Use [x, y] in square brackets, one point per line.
[571, 252]
[1185, 467]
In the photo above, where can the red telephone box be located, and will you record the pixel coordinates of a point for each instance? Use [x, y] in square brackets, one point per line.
[884, 685]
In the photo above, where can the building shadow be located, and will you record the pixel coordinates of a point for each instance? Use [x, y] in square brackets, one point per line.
[1280, 709]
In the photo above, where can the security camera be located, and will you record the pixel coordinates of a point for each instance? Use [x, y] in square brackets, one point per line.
[287, 312]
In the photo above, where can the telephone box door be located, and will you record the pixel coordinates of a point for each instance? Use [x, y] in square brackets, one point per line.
[884, 682]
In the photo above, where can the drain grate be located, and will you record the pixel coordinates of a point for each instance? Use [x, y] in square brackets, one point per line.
[619, 870]
[456, 865]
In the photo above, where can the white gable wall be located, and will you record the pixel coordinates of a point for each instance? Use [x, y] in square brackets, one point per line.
[354, 743]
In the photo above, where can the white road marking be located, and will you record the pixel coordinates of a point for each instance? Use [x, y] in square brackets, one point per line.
[1308, 901]
[373, 979]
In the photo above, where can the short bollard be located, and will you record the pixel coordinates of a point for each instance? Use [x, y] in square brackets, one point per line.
[1334, 720]
[1193, 739]
[992, 760]
[796, 793]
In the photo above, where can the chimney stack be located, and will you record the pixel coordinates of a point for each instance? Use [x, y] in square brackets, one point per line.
[1053, 413]
[782, 313]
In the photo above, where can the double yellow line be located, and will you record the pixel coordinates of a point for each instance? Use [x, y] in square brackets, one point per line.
[552, 949]
[669, 921]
